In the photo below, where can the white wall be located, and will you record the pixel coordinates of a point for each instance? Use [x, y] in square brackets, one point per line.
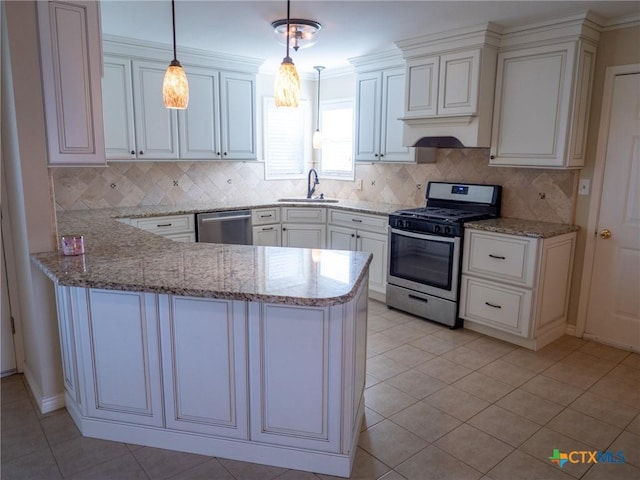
[30, 201]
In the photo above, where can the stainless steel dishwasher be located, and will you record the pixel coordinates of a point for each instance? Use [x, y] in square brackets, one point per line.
[232, 227]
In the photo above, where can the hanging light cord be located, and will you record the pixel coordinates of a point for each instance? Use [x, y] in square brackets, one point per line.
[173, 19]
[288, 33]
[318, 107]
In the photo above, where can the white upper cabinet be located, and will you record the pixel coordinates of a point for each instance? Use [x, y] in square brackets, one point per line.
[542, 105]
[218, 124]
[137, 125]
[450, 80]
[443, 85]
[543, 91]
[238, 115]
[379, 130]
[70, 53]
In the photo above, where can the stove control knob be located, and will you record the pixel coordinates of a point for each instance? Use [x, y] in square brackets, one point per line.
[447, 230]
[436, 228]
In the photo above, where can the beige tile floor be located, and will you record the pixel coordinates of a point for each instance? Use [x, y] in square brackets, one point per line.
[441, 404]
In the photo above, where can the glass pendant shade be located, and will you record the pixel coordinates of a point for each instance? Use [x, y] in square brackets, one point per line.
[175, 89]
[317, 139]
[287, 85]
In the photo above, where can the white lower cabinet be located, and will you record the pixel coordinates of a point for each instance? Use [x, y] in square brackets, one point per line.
[304, 227]
[291, 403]
[204, 364]
[121, 357]
[516, 288]
[366, 233]
[267, 231]
[269, 383]
[180, 228]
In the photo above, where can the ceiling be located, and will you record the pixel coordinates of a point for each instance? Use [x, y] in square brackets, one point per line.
[349, 28]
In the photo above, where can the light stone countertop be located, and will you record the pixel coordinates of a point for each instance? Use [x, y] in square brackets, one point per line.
[523, 228]
[121, 257]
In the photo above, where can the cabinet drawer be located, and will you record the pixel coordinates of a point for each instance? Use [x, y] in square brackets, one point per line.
[498, 306]
[265, 216]
[373, 223]
[165, 225]
[508, 258]
[304, 215]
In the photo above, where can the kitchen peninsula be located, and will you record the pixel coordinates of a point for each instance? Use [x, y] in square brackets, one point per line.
[243, 352]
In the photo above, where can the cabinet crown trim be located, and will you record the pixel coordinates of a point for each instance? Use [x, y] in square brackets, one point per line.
[146, 50]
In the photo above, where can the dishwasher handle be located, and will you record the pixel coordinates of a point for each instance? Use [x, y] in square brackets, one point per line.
[220, 219]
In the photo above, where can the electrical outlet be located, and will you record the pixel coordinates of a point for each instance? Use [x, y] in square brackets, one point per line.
[358, 184]
[584, 186]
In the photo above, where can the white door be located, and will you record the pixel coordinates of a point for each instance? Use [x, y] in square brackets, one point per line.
[237, 111]
[613, 314]
[392, 128]
[117, 93]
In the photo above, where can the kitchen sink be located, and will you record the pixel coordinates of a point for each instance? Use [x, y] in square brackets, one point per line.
[309, 200]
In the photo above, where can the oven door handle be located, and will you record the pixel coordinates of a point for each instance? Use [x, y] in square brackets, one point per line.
[423, 236]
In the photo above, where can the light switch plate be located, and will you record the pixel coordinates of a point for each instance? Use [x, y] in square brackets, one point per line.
[584, 186]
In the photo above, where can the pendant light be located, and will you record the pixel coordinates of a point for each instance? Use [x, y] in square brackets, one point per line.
[317, 135]
[287, 87]
[175, 89]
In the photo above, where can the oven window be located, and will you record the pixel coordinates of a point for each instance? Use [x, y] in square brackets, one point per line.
[422, 260]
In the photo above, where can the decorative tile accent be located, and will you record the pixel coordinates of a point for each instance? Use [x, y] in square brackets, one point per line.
[130, 184]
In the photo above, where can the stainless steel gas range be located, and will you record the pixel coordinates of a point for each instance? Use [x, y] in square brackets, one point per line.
[425, 248]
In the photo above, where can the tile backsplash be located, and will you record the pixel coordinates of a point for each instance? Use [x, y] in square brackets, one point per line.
[534, 194]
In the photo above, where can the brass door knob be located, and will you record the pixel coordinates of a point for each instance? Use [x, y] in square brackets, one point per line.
[605, 233]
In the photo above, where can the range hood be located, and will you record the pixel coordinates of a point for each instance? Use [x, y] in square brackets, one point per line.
[438, 142]
[447, 132]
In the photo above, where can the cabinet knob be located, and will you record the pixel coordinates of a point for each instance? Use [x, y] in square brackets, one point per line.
[283, 229]
[133, 152]
[375, 154]
[141, 152]
[381, 155]
[353, 235]
[225, 153]
[492, 157]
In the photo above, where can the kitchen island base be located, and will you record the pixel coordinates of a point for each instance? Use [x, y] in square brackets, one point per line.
[270, 383]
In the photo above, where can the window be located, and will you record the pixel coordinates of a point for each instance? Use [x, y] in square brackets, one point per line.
[336, 124]
[286, 134]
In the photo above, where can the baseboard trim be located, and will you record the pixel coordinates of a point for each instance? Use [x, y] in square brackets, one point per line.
[45, 404]
[571, 330]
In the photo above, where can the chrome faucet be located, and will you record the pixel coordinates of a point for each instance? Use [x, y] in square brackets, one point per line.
[311, 187]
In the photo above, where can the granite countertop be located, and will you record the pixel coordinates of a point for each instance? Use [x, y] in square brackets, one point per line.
[121, 257]
[523, 228]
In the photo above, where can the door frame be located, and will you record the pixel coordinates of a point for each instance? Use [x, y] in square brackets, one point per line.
[596, 193]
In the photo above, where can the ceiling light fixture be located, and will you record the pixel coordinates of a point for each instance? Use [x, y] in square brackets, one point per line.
[317, 135]
[303, 33]
[287, 87]
[175, 88]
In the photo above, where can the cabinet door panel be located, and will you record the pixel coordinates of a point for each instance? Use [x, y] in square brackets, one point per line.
[267, 235]
[375, 244]
[156, 126]
[238, 116]
[304, 236]
[71, 57]
[422, 86]
[391, 132]
[458, 92]
[68, 345]
[291, 403]
[533, 93]
[119, 129]
[123, 382]
[340, 238]
[205, 368]
[367, 137]
[199, 125]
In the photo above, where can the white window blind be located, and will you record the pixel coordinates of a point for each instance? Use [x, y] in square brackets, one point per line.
[336, 124]
[285, 137]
